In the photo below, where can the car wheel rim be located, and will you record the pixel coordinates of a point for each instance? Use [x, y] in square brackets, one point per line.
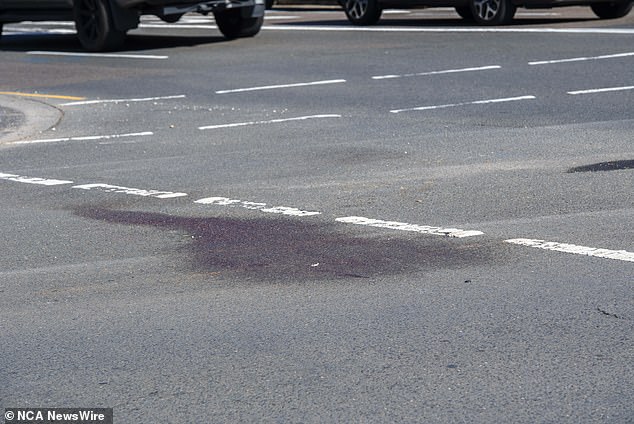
[89, 19]
[357, 8]
[487, 10]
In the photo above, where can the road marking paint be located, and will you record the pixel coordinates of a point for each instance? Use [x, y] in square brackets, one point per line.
[273, 87]
[144, 99]
[272, 121]
[403, 226]
[108, 55]
[601, 90]
[581, 59]
[448, 71]
[33, 180]
[477, 102]
[612, 31]
[84, 138]
[621, 255]
[283, 210]
[38, 95]
[131, 191]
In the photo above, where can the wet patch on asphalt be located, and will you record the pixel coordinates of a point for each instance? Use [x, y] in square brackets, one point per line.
[278, 248]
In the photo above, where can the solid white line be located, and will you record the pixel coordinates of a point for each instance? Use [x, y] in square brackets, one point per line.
[402, 226]
[110, 55]
[476, 102]
[131, 191]
[448, 71]
[32, 180]
[581, 59]
[272, 121]
[84, 138]
[146, 99]
[621, 255]
[283, 210]
[615, 31]
[601, 90]
[273, 87]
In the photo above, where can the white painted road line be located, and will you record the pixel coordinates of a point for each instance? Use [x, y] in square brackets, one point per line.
[273, 87]
[477, 102]
[283, 210]
[601, 90]
[32, 180]
[448, 71]
[145, 99]
[105, 55]
[612, 31]
[272, 121]
[84, 138]
[581, 59]
[621, 255]
[131, 191]
[402, 226]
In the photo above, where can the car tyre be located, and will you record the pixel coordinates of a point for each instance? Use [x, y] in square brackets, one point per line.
[612, 10]
[95, 28]
[492, 12]
[465, 13]
[233, 25]
[362, 12]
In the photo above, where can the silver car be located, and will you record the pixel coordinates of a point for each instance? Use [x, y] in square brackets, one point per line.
[483, 12]
[103, 24]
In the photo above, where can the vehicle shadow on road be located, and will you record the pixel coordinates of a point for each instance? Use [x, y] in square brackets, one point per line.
[389, 21]
[69, 43]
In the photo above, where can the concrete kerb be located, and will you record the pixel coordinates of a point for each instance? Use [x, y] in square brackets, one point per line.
[22, 118]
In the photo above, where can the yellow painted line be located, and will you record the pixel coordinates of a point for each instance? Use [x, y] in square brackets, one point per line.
[45, 96]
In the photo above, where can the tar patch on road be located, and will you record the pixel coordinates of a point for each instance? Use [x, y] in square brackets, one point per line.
[290, 249]
[617, 165]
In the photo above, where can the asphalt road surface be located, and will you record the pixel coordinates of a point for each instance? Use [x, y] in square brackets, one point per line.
[420, 221]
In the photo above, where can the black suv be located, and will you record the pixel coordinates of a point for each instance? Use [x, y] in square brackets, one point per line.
[483, 12]
[102, 24]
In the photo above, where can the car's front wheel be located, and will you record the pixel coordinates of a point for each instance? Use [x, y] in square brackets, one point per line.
[612, 10]
[95, 28]
[362, 12]
[492, 12]
[233, 25]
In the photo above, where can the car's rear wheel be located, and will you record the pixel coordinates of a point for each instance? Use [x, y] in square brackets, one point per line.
[95, 28]
[233, 25]
[492, 12]
[612, 10]
[362, 12]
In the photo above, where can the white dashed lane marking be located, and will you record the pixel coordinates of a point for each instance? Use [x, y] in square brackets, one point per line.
[283, 210]
[621, 255]
[447, 71]
[601, 90]
[279, 86]
[144, 99]
[84, 138]
[131, 191]
[581, 59]
[272, 121]
[402, 226]
[32, 180]
[477, 102]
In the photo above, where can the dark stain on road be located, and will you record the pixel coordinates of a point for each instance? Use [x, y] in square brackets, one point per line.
[616, 165]
[279, 248]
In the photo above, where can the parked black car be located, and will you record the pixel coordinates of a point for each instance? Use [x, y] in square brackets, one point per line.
[102, 24]
[483, 12]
